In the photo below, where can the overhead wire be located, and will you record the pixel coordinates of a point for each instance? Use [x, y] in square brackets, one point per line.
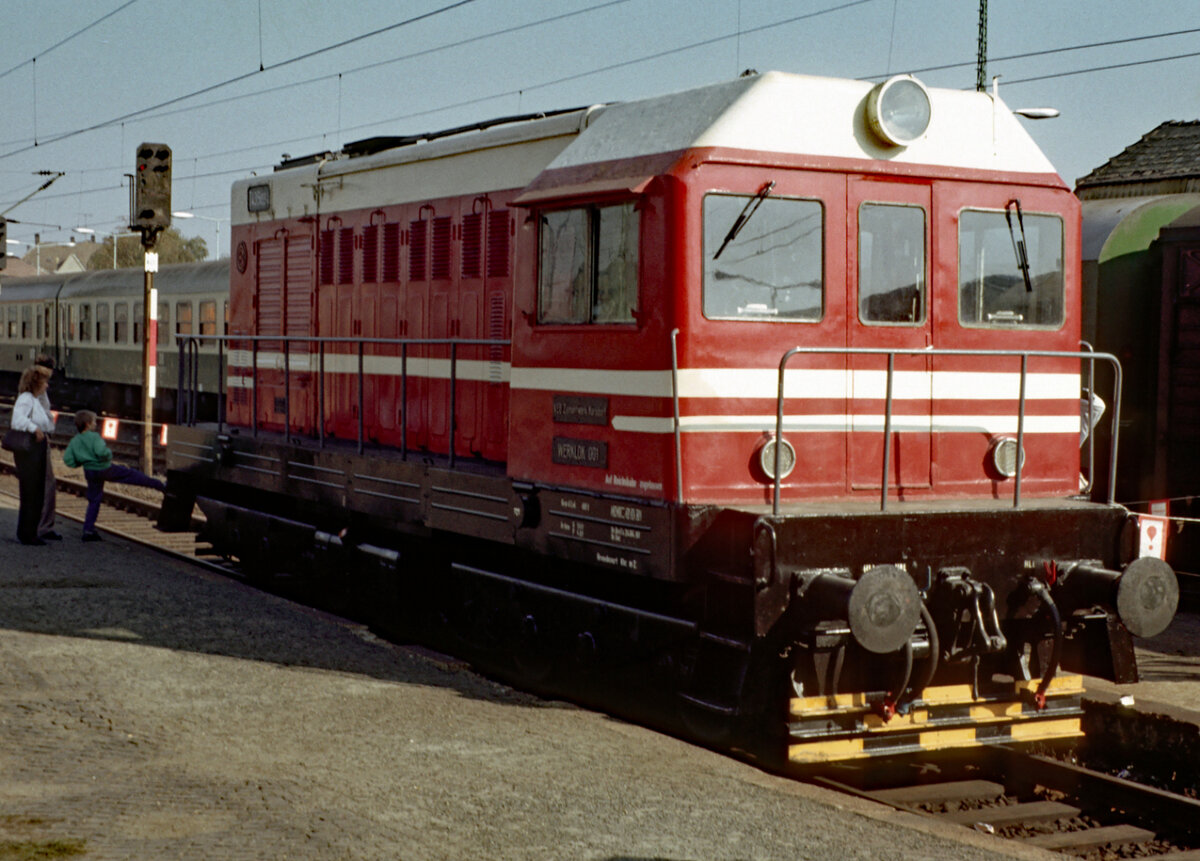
[150, 111]
[1109, 43]
[380, 63]
[237, 78]
[67, 39]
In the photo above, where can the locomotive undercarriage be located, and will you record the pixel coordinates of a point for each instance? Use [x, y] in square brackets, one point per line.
[816, 634]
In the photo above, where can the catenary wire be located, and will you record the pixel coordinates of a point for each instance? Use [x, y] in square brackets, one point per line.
[598, 70]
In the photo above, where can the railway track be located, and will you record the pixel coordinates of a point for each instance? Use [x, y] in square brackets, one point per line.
[123, 515]
[1035, 800]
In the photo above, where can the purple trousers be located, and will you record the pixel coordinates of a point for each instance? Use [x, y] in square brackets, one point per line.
[95, 488]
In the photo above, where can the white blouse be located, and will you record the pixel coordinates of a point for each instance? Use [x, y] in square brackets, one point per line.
[29, 415]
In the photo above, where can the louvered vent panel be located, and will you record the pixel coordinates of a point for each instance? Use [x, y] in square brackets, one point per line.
[270, 287]
[327, 257]
[472, 249]
[370, 260]
[417, 243]
[391, 252]
[345, 256]
[298, 291]
[497, 240]
[495, 323]
[440, 263]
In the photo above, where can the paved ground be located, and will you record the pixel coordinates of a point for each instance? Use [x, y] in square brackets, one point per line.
[1169, 671]
[153, 712]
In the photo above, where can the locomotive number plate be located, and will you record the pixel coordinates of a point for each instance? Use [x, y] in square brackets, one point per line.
[580, 452]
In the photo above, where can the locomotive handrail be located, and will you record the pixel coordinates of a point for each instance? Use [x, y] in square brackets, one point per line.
[186, 412]
[675, 404]
[1090, 388]
[1088, 355]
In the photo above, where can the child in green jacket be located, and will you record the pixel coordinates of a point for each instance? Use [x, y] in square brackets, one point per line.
[88, 450]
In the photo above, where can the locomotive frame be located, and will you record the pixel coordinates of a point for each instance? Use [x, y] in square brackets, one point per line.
[505, 371]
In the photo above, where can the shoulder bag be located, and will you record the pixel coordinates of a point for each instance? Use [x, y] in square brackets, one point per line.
[17, 440]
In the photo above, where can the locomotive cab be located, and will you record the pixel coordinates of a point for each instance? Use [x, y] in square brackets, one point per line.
[890, 324]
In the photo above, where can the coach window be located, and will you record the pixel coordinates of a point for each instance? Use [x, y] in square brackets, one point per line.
[208, 320]
[26, 322]
[763, 258]
[891, 264]
[85, 322]
[183, 318]
[101, 322]
[993, 289]
[138, 313]
[588, 265]
[120, 322]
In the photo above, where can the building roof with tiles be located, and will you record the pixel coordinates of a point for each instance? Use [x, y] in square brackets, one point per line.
[1165, 161]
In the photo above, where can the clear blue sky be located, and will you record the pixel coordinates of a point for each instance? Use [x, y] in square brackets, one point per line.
[109, 74]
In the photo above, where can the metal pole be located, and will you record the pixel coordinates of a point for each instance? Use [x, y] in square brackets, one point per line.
[453, 396]
[404, 401]
[675, 404]
[321, 395]
[1020, 430]
[221, 374]
[149, 350]
[887, 431]
[360, 397]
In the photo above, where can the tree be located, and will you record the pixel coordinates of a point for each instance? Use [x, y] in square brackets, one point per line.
[171, 248]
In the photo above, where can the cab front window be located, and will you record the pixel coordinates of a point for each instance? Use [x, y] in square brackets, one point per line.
[763, 258]
[995, 289]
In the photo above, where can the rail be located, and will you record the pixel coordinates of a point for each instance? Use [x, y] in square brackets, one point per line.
[189, 376]
[1086, 355]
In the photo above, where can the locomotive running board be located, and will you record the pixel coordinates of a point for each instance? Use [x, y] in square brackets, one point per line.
[849, 726]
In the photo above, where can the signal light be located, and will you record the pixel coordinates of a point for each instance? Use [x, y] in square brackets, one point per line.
[152, 188]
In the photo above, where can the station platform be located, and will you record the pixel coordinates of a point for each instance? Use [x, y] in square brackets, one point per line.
[149, 709]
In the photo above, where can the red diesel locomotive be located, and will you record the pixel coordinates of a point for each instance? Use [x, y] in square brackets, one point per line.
[770, 390]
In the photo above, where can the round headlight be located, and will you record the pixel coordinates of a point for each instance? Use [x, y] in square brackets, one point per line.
[898, 110]
[1004, 456]
[787, 459]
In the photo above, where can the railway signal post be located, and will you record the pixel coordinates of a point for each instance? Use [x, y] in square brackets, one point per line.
[150, 215]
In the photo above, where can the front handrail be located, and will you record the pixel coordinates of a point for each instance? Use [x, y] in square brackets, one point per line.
[1088, 356]
[186, 411]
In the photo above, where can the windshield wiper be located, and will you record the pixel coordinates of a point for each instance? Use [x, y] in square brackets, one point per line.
[1018, 244]
[745, 215]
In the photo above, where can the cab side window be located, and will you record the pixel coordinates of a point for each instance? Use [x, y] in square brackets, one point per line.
[588, 265]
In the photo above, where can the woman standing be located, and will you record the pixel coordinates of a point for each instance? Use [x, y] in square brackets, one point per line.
[29, 415]
[50, 499]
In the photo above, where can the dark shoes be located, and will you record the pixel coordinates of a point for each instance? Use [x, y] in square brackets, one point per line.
[92, 536]
[50, 536]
